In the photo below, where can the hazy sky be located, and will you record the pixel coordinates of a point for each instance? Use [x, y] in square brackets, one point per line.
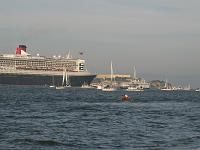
[160, 37]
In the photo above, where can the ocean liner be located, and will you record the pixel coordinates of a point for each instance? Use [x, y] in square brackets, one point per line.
[23, 69]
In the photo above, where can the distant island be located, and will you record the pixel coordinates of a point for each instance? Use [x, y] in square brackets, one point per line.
[126, 78]
[157, 84]
[125, 81]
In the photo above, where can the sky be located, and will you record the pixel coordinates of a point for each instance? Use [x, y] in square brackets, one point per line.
[160, 37]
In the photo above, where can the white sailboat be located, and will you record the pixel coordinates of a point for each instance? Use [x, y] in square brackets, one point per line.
[142, 84]
[86, 86]
[67, 81]
[134, 73]
[135, 83]
[53, 83]
[110, 87]
[63, 81]
[99, 87]
[166, 87]
[188, 88]
[197, 90]
[135, 89]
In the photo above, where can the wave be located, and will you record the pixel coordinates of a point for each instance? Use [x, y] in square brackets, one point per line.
[39, 142]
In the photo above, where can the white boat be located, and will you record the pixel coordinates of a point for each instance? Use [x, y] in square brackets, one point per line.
[166, 87]
[136, 81]
[65, 81]
[99, 87]
[60, 87]
[53, 84]
[179, 88]
[136, 89]
[110, 87]
[86, 86]
[188, 88]
[197, 90]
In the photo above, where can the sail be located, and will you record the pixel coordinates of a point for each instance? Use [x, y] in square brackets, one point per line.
[64, 74]
[110, 87]
[67, 79]
[166, 83]
[134, 74]
[189, 87]
[111, 72]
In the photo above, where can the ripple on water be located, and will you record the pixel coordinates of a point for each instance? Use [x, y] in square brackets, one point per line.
[42, 118]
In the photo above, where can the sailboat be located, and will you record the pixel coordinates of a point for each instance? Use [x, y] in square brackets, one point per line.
[67, 80]
[135, 86]
[53, 84]
[110, 87]
[99, 87]
[134, 73]
[197, 90]
[135, 89]
[63, 81]
[188, 88]
[166, 87]
[86, 86]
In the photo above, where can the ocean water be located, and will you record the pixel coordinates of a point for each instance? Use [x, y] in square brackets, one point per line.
[34, 117]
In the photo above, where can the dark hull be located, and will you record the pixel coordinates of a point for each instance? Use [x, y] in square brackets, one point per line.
[16, 79]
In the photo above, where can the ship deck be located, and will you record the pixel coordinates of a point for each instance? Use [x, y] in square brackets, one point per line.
[41, 72]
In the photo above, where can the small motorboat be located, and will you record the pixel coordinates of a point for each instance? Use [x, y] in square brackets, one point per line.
[136, 89]
[110, 89]
[86, 86]
[197, 90]
[60, 87]
[99, 87]
[52, 86]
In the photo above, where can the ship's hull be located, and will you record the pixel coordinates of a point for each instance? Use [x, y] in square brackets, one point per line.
[38, 79]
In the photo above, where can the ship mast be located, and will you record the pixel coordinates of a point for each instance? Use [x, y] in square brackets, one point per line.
[111, 72]
[134, 73]
[64, 76]
[166, 84]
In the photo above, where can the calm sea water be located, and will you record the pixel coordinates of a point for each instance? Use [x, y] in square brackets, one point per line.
[85, 119]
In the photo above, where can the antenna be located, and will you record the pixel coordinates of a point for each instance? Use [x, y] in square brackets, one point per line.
[111, 71]
[68, 55]
[134, 74]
